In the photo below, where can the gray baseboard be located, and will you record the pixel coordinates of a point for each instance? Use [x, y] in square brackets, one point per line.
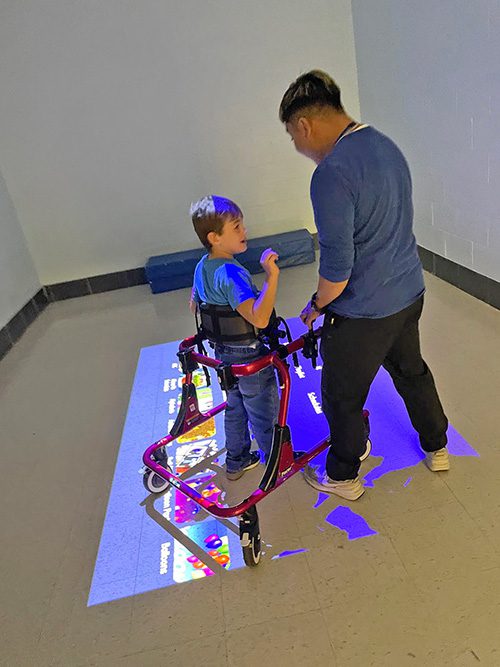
[473, 283]
[96, 284]
[483, 288]
[15, 328]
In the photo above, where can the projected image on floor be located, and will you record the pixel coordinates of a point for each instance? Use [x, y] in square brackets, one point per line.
[153, 541]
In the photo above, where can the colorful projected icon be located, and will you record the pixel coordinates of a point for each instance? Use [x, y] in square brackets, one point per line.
[205, 403]
[188, 566]
[186, 510]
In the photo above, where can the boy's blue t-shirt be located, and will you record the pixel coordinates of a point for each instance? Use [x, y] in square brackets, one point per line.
[222, 282]
[362, 200]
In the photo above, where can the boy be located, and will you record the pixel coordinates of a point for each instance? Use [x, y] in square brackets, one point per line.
[220, 280]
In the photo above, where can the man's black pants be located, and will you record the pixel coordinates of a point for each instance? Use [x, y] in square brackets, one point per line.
[353, 351]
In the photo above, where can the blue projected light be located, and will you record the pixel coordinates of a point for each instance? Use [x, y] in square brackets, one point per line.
[148, 542]
[321, 499]
[151, 542]
[284, 554]
[354, 525]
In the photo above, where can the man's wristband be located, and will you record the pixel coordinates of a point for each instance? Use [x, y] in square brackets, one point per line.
[315, 306]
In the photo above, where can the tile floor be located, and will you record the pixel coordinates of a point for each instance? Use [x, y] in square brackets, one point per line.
[424, 591]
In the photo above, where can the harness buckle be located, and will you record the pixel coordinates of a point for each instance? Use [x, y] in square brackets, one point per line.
[225, 376]
[188, 364]
[310, 349]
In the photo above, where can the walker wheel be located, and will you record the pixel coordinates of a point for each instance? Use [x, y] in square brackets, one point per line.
[250, 537]
[153, 482]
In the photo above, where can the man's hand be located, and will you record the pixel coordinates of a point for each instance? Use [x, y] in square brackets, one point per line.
[325, 294]
[308, 315]
[268, 262]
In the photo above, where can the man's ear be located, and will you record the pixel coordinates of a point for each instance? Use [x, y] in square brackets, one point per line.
[304, 126]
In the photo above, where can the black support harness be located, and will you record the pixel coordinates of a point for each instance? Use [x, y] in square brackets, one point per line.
[222, 325]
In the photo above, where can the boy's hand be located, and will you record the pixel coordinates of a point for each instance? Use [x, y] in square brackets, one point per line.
[268, 262]
[192, 302]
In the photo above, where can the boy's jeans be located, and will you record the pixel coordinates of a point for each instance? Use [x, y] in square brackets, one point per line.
[254, 399]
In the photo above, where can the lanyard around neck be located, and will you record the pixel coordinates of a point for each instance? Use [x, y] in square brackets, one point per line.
[345, 131]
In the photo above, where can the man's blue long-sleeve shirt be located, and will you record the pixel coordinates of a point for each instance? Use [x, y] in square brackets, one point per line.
[362, 200]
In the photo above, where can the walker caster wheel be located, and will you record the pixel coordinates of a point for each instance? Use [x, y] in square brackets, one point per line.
[250, 537]
[153, 482]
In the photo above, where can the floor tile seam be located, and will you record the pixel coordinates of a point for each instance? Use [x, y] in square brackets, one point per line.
[401, 560]
[156, 648]
[485, 535]
[329, 636]
[473, 519]
[202, 555]
[134, 593]
[134, 598]
[302, 545]
[295, 518]
[226, 645]
[315, 585]
[223, 611]
[420, 597]
[274, 618]
[476, 424]
[58, 577]
[381, 519]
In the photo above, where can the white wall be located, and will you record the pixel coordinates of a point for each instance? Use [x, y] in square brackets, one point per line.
[18, 279]
[115, 115]
[429, 76]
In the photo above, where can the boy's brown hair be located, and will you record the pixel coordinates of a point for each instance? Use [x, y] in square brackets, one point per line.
[210, 214]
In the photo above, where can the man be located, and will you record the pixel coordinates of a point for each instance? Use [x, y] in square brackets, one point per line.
[370, 283]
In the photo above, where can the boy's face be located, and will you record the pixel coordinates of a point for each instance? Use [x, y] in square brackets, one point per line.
[232, 240]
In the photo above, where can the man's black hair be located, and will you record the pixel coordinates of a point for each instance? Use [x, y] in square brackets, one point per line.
[312, 89]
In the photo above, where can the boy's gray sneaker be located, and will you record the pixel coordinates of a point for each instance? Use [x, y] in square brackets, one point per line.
[438, 460]
[253, 463]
